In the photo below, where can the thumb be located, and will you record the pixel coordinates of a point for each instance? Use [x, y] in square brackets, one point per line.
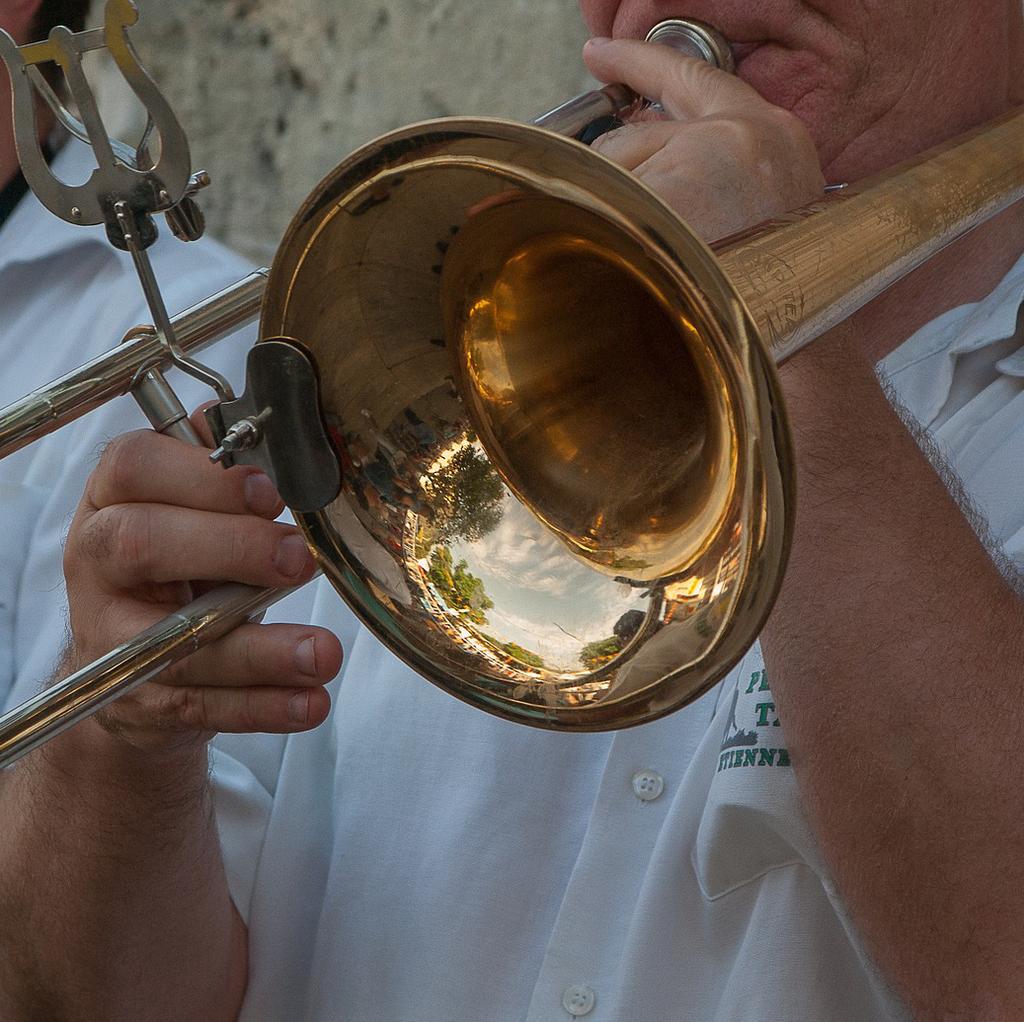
[688, 88]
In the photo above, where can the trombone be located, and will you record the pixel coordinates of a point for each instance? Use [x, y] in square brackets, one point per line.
[506, 343]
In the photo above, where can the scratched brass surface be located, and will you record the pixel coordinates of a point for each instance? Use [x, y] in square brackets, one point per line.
[804, 273]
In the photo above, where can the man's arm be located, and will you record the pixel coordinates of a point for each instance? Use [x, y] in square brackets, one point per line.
[115, 902]
[895, 654]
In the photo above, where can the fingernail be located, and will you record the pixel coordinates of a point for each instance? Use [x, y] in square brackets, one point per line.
[305, 657]
[298, 708]
[292, 556]
[261, 495]
[598, 40]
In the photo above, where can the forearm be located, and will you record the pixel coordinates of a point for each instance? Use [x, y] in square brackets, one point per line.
[895, 657]
[115, 904]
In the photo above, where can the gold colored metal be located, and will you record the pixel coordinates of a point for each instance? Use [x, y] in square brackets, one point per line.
[533, 370]
[801, 274]
[568, 483]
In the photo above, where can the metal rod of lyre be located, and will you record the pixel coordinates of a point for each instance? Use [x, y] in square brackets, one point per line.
[204, 620]
[201, 622]
[115, 372]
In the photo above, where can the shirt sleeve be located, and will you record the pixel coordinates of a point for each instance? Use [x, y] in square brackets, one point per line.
[243, 807]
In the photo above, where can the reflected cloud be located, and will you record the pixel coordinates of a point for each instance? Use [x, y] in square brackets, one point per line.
[545, 599]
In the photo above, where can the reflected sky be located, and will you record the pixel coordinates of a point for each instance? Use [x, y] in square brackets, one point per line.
[545, 600]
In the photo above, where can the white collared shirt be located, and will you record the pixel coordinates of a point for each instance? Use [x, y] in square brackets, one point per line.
[414, 860]
[419, 860]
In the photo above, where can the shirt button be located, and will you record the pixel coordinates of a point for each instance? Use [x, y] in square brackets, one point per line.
[579, 1000]
[647, 785]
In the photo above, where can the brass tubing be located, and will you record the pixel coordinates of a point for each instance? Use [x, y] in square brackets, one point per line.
[802, 274]
[113, 373]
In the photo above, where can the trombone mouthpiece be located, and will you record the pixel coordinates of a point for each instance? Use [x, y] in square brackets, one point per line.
[695, 39]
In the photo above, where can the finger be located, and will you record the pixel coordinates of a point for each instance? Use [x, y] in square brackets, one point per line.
[244, 710]
[686, 87]
[134, 544]
[201, 426]
[260, 655]
[147, 467]
[634, 144]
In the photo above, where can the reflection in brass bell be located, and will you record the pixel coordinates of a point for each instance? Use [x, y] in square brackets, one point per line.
[544, 424]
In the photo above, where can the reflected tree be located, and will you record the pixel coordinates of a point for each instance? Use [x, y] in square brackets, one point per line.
[461, 589]
[468, 495]
[594, 654]
[524, 656]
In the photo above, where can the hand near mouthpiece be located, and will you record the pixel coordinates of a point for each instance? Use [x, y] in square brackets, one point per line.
[721, 156]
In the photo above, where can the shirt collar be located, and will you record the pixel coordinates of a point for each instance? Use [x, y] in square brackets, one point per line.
[32, 232]
[922, 367]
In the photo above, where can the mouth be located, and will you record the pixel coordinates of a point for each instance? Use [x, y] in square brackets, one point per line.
[740, 51]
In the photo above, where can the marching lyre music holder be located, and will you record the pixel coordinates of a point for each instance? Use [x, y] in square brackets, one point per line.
[120, 174]
[124, 192]
[125, 189]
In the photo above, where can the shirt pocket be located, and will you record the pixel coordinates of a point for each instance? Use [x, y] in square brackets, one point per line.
[752, 822]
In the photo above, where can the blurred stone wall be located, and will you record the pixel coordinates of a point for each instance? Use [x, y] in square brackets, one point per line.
[273, 93]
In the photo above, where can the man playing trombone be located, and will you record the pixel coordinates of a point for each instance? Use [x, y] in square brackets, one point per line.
[410, 859]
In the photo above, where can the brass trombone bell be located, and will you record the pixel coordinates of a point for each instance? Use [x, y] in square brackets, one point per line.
[546, 398]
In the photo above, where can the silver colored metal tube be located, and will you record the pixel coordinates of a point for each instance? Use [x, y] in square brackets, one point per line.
[578, 113]
[689, 37]
[129, 665]
[180, 634]
[115, 372]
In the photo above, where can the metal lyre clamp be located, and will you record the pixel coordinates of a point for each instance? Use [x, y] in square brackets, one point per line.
[127, 187]
[278, 427]
[122, 173]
